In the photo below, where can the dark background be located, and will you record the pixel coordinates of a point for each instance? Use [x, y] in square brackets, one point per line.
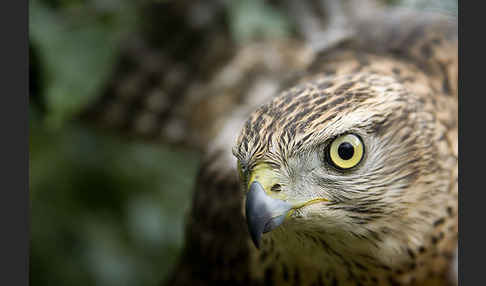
[106, 210]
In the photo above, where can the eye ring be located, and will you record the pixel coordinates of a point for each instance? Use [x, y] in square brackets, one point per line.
[346, 151]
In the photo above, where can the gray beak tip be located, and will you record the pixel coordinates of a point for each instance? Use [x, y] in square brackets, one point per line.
[263, 213]
[255, 217]
[256, 240]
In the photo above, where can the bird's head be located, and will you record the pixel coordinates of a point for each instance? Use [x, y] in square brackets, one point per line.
[351, 162]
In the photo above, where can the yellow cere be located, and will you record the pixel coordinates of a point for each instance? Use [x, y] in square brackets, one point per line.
[266, 176]
[357, 154]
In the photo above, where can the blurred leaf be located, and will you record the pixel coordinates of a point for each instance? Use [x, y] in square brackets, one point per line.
[76, 57]
[255, 18]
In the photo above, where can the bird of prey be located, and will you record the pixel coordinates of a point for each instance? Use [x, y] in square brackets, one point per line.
[344, 173]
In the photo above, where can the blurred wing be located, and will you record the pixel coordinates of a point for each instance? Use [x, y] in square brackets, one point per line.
[155, 88]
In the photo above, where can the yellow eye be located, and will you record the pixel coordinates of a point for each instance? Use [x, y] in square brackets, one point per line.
[346, 151]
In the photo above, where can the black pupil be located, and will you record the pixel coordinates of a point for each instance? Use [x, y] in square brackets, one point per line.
[346, 150]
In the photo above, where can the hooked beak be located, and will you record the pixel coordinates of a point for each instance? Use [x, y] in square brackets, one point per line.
[263, 213]
[266, 210]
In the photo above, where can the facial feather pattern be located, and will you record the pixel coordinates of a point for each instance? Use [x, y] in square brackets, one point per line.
[381, 213]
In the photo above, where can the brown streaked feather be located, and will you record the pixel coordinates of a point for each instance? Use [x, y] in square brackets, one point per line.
[338, 79]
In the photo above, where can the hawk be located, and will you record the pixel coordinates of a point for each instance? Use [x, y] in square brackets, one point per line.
[343, 172]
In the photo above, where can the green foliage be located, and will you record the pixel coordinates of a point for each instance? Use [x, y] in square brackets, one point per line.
[255, 18]
[103, 211]
[77, 47]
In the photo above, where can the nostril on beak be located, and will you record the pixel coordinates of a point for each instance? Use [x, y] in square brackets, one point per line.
[276, 188]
